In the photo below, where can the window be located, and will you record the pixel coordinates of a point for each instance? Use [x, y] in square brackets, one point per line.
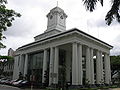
[61, 17]
[51, 16]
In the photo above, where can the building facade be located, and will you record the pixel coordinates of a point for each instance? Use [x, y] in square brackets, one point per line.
[70, 55]
[7, 64]
[11, 52]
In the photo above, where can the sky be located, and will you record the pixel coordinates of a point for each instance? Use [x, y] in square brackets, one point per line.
[34, 22]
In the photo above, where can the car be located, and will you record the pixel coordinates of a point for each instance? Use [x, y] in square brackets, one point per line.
[7, 82]
[2, 80]
[17, 82]
[23, 84]
[12, 81]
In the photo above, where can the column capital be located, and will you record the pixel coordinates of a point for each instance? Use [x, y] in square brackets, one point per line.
[80, 44]
[91, 48]
[25, 53]
[45, 48]
[99, 51]
[75, 42]
[88, 47]
[106, 53]
[56, 46]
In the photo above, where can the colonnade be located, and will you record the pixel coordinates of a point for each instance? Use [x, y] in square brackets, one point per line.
[23, 64]
[102, 74]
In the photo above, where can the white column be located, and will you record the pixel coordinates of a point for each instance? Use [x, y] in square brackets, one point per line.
[88, 72]
[20, 62]
[74, 64]
[16, 69]
[56, 65]
[98, 69]
[44, 65]
[26, 64]
[21, 66]
[51, 66]
[101, 67]
[107, 69]
[92, 66]
[80, 71]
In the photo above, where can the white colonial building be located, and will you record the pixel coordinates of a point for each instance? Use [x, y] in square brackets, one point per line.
[80, 57]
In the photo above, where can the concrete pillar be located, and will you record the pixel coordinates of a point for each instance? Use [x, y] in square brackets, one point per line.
[107, 69]
[26, 64]
[44, 65]
[88, 72]
[92, 66]
[56, 65]
[51, 66]
[101, 67]
[74, 64]
[21, 66]
[98, 68]
[16, 69]
[80, 71]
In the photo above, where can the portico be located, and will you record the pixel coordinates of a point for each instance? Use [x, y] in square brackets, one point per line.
[70, 55]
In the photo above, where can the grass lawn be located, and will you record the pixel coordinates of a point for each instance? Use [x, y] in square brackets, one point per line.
[97, 88]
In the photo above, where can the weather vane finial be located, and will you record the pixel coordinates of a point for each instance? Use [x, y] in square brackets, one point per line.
[57, 3]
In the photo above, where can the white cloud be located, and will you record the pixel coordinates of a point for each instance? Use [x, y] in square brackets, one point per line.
[34, 21]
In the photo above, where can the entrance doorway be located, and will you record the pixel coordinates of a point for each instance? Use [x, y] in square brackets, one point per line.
[62, 68]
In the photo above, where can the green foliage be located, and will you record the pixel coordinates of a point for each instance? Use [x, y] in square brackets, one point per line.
[115, 60]
[6, 57]
[46, 76]
[115, 65]
[3, 61]
[113, 13]
[6, 18]
[91, 4]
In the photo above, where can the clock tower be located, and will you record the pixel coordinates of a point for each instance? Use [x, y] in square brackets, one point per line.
[56, 20]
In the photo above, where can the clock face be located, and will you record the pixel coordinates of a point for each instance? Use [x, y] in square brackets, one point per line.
[61, 20]
[61, 17]
[51, 20]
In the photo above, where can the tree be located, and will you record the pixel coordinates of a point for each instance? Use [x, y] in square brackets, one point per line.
[6, 18]
[113, 13]
[3, 61]
[115, 65]
[46, 76]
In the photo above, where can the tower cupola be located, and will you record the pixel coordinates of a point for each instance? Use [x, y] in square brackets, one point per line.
[56, 20]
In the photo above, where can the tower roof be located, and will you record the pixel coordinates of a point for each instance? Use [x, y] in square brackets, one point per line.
[57, 10]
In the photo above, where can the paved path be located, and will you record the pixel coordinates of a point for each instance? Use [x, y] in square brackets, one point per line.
[115, 89]
[6, 87]
[110, 89]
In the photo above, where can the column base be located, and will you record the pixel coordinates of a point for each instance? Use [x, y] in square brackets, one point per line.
[45, 84]
[54, 86]
[107, 84]
[100, 85]
[90, 85]
[75, 86]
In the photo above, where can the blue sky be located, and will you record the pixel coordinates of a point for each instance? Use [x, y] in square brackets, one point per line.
[33, 22]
